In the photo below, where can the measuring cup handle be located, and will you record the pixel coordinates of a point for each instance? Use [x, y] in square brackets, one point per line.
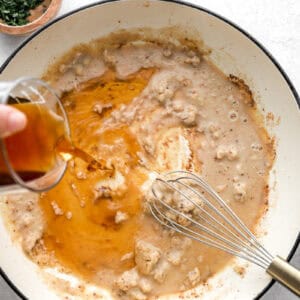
[5, 88]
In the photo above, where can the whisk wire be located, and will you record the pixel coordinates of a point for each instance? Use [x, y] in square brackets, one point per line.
[223, 230]
[228, 210]
[205, 240]
[233, 237]
[234, 247]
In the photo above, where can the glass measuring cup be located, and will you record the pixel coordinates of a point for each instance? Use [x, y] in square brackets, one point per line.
[28, 159]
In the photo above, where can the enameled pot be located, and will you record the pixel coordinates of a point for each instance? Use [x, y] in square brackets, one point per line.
[235, 52]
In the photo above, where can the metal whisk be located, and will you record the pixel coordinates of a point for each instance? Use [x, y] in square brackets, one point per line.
[185, 203]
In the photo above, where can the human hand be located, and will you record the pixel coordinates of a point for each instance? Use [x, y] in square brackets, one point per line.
[11, 120]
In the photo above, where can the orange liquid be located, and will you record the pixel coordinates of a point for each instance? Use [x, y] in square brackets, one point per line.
[91, 240]
[65, 149]
[31, 151]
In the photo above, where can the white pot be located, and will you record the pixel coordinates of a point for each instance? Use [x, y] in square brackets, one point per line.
[234, 51]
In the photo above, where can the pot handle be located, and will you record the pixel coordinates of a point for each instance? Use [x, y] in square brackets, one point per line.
[285, 273]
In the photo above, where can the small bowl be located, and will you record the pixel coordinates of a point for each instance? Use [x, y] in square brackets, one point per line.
[32, 26]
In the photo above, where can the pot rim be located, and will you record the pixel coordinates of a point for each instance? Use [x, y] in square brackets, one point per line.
[176, 2]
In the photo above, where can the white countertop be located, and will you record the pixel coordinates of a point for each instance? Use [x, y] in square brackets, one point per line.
[274, 23]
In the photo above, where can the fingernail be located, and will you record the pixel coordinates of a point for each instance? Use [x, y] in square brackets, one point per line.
[16, 121]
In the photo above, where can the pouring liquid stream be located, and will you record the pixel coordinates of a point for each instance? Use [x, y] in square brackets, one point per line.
[35, 150]
[68, 151]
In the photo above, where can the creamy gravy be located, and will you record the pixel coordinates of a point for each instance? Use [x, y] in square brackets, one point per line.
[144, 107]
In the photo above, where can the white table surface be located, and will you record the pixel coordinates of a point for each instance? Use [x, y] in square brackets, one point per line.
[275, 23]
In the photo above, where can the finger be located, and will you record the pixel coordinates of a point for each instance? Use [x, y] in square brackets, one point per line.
[11, 120]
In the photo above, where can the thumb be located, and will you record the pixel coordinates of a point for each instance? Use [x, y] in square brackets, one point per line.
[11, 120]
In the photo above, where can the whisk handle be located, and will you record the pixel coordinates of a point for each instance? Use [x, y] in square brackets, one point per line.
[285, 273]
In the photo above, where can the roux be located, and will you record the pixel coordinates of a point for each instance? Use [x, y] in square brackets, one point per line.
[146, 106]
